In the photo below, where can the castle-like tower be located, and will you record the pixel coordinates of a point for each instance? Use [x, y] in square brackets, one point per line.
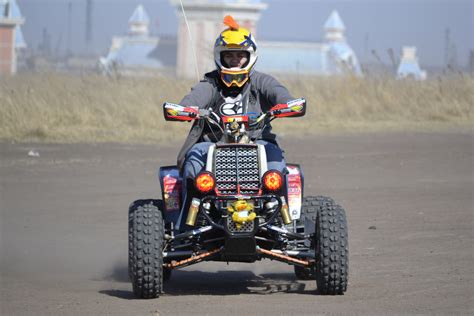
[132, 54]
[139, 22]
[342, 57]
[333, 56]
[205, 23]
[334, 28]
[409, 67]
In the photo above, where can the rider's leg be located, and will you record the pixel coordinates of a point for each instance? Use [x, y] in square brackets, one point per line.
[194, 163]
[195, 160]
[275, 159]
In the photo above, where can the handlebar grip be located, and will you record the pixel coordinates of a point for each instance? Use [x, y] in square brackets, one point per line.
[188, 114]
[285, 111]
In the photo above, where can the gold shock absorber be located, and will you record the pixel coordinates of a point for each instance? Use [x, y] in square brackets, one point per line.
[285, 213]
[193, 211]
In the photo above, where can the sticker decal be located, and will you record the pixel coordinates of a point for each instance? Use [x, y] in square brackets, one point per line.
[294, 192]
[171, 189]
[232, 108]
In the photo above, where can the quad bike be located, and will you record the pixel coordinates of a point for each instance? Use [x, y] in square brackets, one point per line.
[237, 211]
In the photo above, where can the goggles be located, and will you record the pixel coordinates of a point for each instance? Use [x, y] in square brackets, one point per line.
[234, 78]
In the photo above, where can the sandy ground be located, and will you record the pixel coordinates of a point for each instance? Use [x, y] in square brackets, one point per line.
[408, 196]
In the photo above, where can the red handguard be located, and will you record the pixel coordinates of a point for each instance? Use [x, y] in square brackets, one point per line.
[176, 112]
[293, 108]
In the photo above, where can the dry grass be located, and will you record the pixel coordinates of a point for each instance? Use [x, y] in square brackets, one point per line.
[62, 108]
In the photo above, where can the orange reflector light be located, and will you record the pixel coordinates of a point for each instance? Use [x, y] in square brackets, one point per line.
[205, 182]
[272, 180]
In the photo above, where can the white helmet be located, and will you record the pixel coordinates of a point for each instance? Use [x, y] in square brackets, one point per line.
[235, 38]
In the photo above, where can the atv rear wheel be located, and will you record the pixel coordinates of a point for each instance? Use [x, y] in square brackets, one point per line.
[331, 244]
[145, 252]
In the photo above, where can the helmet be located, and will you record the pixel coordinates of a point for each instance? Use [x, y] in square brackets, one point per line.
[235, 38]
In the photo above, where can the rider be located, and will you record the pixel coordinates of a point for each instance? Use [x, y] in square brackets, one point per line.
[234, 88]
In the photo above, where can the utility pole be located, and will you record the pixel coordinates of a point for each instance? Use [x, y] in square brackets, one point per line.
[391, 54]
[453, 57]
[471, 62]
[69, 28]
[88, 24]
[366, 46]
[46, 43]
[447, 47]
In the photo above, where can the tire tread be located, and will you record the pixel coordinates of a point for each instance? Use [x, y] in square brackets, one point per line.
[145, 237]
[331, 240]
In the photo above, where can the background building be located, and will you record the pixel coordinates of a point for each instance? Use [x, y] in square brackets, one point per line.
[133, 53]
[334, 56]
[409, 67]
[11, 37]
[205, 23]
[190, 54]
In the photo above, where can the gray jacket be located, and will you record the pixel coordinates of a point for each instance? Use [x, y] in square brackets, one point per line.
[260, 94]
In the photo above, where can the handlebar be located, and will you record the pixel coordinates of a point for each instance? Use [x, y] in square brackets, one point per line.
[176, 112]
[211, 115]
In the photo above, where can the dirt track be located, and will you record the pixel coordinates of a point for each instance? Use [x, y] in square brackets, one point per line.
[408, 196]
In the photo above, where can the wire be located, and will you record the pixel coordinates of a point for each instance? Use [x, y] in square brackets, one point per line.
[191, 40]
[212, 131]
[262, 125]
[210, 121]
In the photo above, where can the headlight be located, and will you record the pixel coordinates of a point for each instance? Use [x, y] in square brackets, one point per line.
[205, 182]
[273, 180]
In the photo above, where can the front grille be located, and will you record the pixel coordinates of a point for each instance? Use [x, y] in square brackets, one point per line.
[237, 167]
[247, 227]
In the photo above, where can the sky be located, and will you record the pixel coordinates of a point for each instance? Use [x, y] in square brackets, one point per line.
[371, 25]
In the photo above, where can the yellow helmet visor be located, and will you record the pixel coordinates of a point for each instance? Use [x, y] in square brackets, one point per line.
[234, 78]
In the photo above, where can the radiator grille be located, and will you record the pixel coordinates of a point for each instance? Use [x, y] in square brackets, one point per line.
[237, 166]
[244, 228]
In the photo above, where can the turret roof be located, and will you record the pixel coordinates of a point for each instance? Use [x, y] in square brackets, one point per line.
[139, 16]
[334, 22]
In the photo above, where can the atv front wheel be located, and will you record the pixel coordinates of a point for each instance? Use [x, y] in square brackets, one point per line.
[307, 222]
[331, 244]
[145, 239]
